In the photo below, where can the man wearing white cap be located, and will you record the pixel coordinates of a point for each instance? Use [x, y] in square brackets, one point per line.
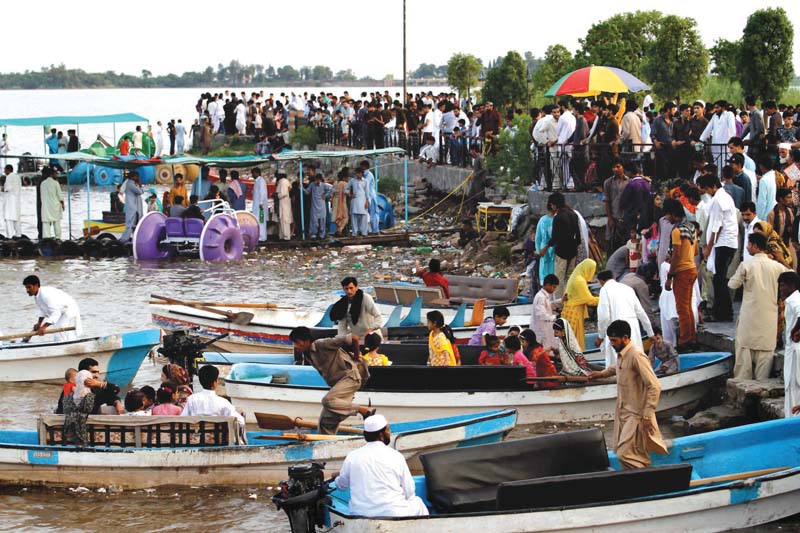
[378, 477]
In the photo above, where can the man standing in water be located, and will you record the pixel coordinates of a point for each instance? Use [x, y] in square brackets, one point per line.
[339, 370]
[636, 432]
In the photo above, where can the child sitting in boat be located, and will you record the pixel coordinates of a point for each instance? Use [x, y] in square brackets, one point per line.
[573, 363]
[69, 380]
[134, 403]
[372, 341]
[539, 358]
[442, 350]
[149, 397]
[664, 352]
[513, 355]
[166, 398]
[513, 331]
[493, 354]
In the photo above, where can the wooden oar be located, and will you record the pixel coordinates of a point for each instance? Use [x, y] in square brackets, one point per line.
[229, 304]
[283, 422]
[33, 334]
[570, 379]
[241, 318]
[737, 476]
[303, 436]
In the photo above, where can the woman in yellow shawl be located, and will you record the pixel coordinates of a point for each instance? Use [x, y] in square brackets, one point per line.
[776, 249]
[578, 298]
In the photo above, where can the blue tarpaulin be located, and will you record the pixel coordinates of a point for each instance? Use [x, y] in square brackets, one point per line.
[76, 119]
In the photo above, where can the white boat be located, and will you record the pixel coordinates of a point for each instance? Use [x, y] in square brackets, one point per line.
[32, 457]
[738, 478]
[119, 357]
[414, 392]
[269, 329]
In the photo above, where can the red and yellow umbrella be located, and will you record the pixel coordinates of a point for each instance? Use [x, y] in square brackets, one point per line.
[591, 81]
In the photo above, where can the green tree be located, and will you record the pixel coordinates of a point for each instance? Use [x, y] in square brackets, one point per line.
[726, 55]
[321, 73]
[621, 41]
[767, 47]
[425, 70]
[557, 62]
[288, 73]
[463, 71]
[506, 82]
[677, 60]
[346, 75]
[514, 157]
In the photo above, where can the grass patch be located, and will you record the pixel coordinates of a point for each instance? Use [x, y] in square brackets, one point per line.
[501, 253]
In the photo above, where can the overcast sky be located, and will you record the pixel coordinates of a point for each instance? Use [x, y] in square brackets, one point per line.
[366, 36]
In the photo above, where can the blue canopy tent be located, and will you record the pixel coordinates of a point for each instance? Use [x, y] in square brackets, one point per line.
[77, 120]
[232, 162]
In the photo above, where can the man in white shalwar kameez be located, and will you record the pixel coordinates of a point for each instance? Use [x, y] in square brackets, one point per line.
[789, 290]
[57, 309]
[12, 199]
[260, 206]
[52, 208]
[378, 477]
[284, 208]
[241, 117]
[767, 188]
[544, 312]
[134, 210]
[159, 139]
[618, 302]
[720, 128]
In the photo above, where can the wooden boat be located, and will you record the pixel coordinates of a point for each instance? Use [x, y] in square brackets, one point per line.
[718, 481]
[414, 392]
[269, 329]
[403, 353]
[119, 356]
[139, 452]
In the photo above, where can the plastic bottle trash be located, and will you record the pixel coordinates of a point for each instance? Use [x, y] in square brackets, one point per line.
[356, 248]
[424, 249]
[357, 266]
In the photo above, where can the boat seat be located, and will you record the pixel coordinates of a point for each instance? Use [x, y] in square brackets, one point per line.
[174, 226]
[468, 289]
[592, 487]
[406, 294]
[116, 431]
[192, 227]
[408, 378]
[465, 480]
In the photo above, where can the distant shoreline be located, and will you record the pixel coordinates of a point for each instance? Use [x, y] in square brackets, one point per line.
[432, 82]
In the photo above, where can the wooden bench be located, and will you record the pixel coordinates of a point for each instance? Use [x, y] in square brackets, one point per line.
[122, 431]
[406, 294]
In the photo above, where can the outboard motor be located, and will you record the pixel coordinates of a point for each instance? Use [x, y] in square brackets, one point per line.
[182, 348]
[303, 497]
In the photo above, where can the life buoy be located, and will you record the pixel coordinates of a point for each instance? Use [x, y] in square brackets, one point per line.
[164, 175]
[106, 176]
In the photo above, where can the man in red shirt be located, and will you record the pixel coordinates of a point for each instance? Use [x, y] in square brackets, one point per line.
[433, 277]
[124, 146]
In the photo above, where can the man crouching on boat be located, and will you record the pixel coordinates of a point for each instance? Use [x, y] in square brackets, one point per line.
[56, 308]
[339, 369]
[636, 432]
[378, 477]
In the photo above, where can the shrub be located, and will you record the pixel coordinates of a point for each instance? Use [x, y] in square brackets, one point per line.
[305, 136]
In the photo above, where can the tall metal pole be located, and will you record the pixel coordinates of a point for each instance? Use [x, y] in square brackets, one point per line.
[405, 70]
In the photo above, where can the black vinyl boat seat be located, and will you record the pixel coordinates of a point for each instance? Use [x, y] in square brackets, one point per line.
[465, 480]
[446, 378]
[592, 487]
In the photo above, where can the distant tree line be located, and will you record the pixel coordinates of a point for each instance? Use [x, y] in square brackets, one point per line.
[233, 74]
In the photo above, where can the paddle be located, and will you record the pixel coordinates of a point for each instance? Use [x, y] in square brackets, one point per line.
[569, 379]
[304, 436]
[240, 319]
[228, 304]
[282, 422]
[33, 333]
[737, 476]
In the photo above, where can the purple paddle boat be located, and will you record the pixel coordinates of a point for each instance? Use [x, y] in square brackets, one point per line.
[225, 236]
